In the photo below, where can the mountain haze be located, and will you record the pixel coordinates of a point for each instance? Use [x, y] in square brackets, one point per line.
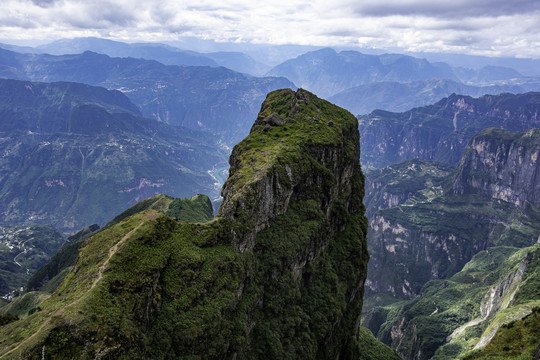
[327, 72]
[162, 53]
[74, 155]
[440, 132]
[398, 97]
[198, 97]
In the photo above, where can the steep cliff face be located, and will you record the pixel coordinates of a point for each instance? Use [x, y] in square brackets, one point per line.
[278, 274]
[434, 233]
[441, 132]
[456, 253]
[410, 245]
[502, 165]
[261, 183]
[462, 313]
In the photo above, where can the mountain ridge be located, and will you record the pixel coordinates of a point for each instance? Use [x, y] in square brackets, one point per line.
[233, 287]
[440, 132]
[68, 147]
[454, 261]
[218, 100]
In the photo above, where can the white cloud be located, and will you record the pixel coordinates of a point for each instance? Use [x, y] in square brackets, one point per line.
[487, 27]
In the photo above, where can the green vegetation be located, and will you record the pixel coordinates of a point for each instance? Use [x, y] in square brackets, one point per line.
[372, 349]
[159, 202]
[24, 304]
[48, 277]
[308, 125]
[52, 273]
[516, 340]
[23, 249]
[266, 279]
[198, 208]
[445, 320]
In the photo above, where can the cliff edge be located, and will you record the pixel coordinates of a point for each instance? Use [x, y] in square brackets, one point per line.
[278, 274]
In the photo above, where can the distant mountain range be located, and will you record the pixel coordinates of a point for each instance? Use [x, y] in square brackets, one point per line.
[218, 100]
[397, 96]
[74, 155]
[440, 132]
[358, 82]
[362, 83]
[328, 72]
[165, 54]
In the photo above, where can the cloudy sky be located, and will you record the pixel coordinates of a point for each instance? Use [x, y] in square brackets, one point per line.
[483, 27]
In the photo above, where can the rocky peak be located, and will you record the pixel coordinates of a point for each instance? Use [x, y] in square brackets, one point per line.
[299, 145]
[279, 274]
[501, 165]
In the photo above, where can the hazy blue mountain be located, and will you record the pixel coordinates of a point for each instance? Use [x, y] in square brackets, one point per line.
[165, 54]
[238, 61]
[395, 96]
[440, 132]
[263, 53]
[21, 49]
[199, 97]
[74, 155]
[486, 74]
[328, 72]
[527, 67]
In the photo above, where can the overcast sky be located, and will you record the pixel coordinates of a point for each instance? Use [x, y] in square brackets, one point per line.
[482, 27]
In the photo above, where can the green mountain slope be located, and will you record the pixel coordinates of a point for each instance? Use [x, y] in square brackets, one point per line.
[46, 279]
[453, 316]
[514, 340]
[68, 149]
[278, 274]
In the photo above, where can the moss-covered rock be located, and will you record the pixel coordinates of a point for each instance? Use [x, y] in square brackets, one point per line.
[279, 274]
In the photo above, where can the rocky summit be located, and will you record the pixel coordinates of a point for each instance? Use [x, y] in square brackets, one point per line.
[278, 274]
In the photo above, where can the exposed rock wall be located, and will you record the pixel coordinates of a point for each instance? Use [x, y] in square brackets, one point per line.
[441, 132]
[503, 166]
[484, 205]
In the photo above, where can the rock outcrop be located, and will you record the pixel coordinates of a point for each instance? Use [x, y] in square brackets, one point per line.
[455, 251]
[434, 232]
[441, 132]
[502, 165]
[278, 274]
